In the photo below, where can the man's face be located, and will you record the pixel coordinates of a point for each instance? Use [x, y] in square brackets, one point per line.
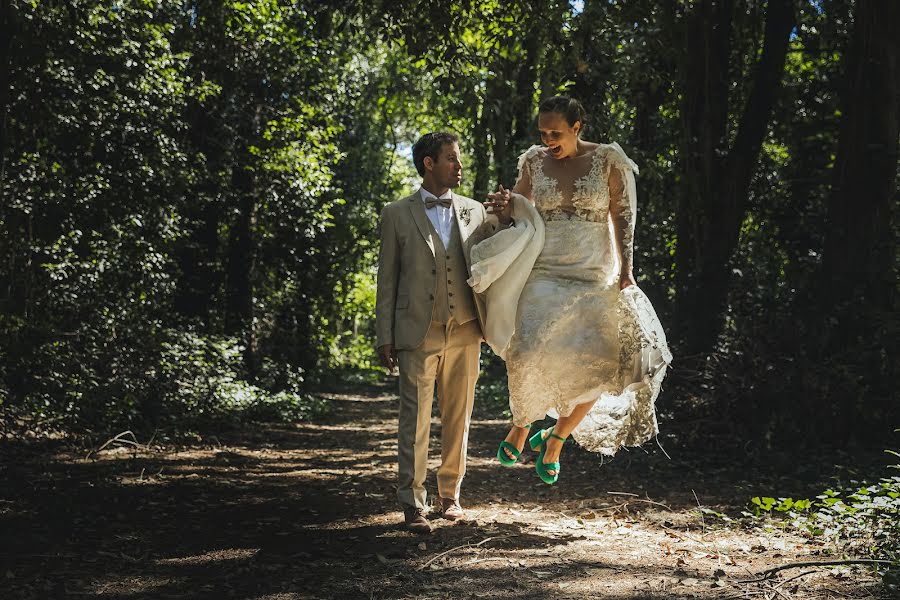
[447, 169]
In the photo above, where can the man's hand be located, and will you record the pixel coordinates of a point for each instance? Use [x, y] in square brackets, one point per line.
[500, 204]
[388, 357]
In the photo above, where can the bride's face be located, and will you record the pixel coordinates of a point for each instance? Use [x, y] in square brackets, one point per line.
[560, 138]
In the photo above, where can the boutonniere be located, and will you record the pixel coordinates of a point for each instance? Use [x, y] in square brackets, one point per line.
[466, 215]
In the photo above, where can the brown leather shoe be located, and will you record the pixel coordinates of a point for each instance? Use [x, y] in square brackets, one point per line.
[415, 520]
[450, 509]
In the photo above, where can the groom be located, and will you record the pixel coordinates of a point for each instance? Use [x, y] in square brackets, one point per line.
[427, 322]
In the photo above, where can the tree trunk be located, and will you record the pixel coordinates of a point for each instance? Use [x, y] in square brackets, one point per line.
[197, 262]
[198, 255]
[716, 179]
[482, 163]
[8, 248]
[859, 248]
[592, 67]
[18, 236]
[501, 121]
[523, 109]
[242, 251]
[858, 289]
[705, 117]
[6, 29]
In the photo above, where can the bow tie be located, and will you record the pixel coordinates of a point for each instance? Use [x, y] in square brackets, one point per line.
[432, 202]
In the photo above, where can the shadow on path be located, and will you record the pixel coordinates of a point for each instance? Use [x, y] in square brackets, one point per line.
[308, 512]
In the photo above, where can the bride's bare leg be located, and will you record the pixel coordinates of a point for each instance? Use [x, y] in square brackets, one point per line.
[516, 437]
[564, 426]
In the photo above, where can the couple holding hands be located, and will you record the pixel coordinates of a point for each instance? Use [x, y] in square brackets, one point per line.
[543, 273]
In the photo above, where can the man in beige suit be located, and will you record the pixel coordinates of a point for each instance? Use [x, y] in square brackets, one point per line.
[427, 321]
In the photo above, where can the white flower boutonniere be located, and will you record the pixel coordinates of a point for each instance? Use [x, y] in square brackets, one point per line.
[466, 215]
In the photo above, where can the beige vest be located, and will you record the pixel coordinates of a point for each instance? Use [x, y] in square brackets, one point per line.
[452, 295]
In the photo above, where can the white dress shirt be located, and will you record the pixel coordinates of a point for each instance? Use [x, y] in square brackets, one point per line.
[440, 217]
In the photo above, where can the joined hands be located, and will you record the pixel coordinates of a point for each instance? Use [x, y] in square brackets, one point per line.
[500, 204]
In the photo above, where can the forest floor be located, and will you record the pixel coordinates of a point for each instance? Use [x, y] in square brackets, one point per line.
[308, 511]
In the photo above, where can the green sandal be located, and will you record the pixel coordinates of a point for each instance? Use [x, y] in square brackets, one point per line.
[539, 441]
[503, 457]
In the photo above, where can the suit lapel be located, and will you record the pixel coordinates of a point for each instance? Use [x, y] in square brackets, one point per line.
[417, 208]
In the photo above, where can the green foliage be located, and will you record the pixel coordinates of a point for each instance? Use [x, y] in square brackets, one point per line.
[864, 519]
[191, 195]
[492, 393]
[140, 137]
[355, 346]
[200, 380]
[766, 504]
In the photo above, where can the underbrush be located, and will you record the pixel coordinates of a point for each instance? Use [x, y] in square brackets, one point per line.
[183, 382]
[859, 519]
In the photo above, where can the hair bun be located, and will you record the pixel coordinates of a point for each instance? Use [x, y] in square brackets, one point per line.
[568, 107]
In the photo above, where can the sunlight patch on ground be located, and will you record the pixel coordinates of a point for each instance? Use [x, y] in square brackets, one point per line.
[118, 586]
[388, 397]
[212, 556]
[363, 428]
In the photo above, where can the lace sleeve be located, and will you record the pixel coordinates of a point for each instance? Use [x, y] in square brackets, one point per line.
[523, 183]
[622, 204]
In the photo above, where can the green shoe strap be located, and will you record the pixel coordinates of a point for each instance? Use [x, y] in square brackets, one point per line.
[507, 446]
[556, 436]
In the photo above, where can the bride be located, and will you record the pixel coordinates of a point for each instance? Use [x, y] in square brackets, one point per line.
[585, 345]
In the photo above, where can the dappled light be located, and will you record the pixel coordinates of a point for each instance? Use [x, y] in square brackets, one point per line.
[265, 512]
[220, 234]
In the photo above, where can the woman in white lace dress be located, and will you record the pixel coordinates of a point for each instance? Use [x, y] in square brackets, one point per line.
[587, 346]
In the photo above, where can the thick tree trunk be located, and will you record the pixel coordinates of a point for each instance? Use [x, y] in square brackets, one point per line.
[859, 245]
[197, 260]
[717, 180]
[242, 252]
[200, 271]
[16, 247]
[6, 32]
[592, 66]
[705, 117]
[858, 288]
[8, 249]
[198, 255]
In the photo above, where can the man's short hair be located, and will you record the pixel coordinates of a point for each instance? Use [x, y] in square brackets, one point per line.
[430, 144]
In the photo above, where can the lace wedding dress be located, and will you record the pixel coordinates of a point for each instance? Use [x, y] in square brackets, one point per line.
[577, 337]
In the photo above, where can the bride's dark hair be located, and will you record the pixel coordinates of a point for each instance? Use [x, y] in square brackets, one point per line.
[568, 107]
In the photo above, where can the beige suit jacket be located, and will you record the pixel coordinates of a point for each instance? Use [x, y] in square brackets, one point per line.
[406, 267]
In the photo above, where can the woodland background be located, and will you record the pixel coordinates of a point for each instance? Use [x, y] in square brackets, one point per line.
[191, 191]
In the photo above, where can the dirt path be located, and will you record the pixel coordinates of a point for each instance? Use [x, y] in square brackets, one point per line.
[309, 512]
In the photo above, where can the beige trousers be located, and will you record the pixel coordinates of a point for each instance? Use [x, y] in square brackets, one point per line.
[448, 360]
